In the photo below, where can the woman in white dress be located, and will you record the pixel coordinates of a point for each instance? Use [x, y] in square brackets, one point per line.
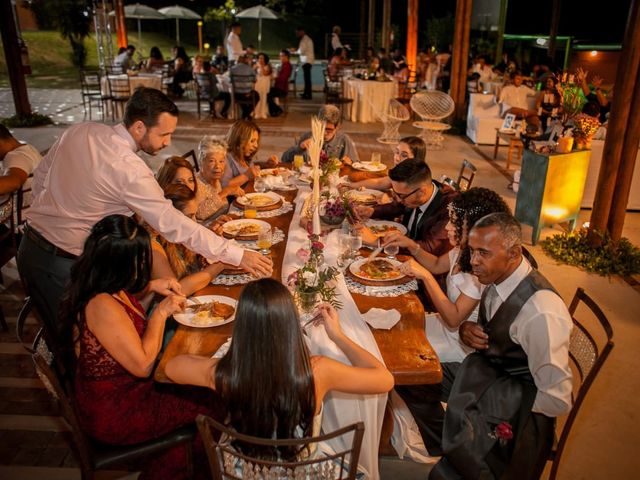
[263, 84]
[461, 301]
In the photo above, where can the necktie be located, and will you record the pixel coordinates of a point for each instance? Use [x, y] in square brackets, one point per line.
[491, 301]
[413, 231]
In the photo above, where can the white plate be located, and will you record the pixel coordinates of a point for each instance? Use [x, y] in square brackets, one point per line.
[380, 223]
[359, 195]
[232, 226]
[355, 269]
[368, 167]
[283, 172]
[187, 318]
[245, 199]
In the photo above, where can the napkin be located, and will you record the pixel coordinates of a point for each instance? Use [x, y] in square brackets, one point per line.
[275, 182]
[380, 318]
[224, 348]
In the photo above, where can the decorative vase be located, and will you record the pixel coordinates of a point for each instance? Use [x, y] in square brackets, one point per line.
[308, 300]
[332, 220]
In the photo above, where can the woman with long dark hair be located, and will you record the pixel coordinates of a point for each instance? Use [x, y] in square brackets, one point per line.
[460, 302]
[271, 385]
[112, 346]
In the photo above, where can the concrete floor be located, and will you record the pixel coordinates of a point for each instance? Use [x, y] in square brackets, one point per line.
[606, 432]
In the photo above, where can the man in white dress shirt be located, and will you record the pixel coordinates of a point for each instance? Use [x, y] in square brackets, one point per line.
[513, 99]
[234, 44]
[307, 57]
[503, 399]
[93, 171]
[19, 160]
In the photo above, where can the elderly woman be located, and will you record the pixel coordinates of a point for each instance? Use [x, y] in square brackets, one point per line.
[243, 140]
[336, 144]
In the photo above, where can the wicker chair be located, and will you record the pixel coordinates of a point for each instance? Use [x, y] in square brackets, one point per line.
[432, 107]
[227, 463]
[392, 117]
[587, 358]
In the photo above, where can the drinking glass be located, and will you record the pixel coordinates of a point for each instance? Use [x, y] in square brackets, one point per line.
[298, 161]
[375, 159]
[391, 251]
[355, 243]
[250, 213]
[264, 241]
[259, 185]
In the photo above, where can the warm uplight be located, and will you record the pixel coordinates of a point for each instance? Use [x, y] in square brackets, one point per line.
[553, 212]
[585, 225]
[594, 53]
[199, 23]
[206, 46]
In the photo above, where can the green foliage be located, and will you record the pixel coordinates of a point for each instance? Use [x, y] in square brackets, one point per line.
[609, 259]
[440, 32]
[221, 13]
[33, 120]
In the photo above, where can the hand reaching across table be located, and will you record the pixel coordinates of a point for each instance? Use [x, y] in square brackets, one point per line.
[256, 264]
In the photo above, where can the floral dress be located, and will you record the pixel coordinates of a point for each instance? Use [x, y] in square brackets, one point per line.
[119, 408]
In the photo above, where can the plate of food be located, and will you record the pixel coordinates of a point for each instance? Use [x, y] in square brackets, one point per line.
[369, 167]
[377, 270]
[365, 197]
[382, 227]
[207, 311]
[265, 172]
[244, 229]
[259, 200]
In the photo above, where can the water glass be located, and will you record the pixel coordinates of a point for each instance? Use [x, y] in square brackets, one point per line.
[375, 159]
[265, 240]
[355, 241]
[391, 251]
[259, 184]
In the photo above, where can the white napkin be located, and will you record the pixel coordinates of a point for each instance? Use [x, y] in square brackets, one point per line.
[274, 182]
[222, 351]
[380, 318]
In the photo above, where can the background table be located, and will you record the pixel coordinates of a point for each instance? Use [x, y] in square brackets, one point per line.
[369, 97]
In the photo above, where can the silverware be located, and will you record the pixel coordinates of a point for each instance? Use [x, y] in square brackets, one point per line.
[314, 319]
[376, 252]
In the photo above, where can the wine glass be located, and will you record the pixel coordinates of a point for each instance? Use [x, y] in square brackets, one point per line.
[259, 184]
[391, 251]
[265, 239]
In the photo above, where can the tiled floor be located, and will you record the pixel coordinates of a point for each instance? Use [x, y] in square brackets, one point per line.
[602, 446]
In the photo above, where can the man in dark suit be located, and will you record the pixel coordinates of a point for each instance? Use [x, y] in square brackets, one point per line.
[422, 205]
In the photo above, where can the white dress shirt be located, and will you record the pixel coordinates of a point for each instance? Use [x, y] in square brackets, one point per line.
[93, 171]
[542, 329]
[305, 50]
[420, 210]
[512, 96]
[234, 46]
[25, 158]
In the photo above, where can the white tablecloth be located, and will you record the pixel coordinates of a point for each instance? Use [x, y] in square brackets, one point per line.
[369, 97]
[148, 80]
[341, 409]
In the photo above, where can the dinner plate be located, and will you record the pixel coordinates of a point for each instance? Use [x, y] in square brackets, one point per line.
[231, 228]
[366, 196]
[380, 227]
[368, 167]
[265, 172]
[248, 199]
[355, 269]
[188, 318]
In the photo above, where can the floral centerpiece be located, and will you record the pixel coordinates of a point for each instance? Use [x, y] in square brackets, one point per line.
[572, 97]
[329, 167]
[313, 281]
[585, 127]
[335, 208]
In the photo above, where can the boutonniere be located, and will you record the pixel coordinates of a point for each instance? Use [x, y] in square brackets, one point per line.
[503, 433]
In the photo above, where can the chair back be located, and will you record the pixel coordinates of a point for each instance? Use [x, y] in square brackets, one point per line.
[90, 82]
[242, 83]
[194, 159]
[587, 356]
[119, 87]
[467, 173]
[432, 105]
[391, 117]
[407, 87]
[228, 463]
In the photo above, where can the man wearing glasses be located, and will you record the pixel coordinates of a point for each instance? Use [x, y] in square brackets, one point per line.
[422, 204]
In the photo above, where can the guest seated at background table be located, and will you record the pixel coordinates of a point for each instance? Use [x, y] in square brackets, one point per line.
[219, 60]
[243, 79]
[243, 140]
[181, 70]
[407, 149]
[460, 302]
[421, 202]
[513, 99]
[174, 260]
[597, 95]
[280, 87]
[549, 103]
[338, 61]
[112, 347]
[124, 60]
[336, 144]
[155, 60]
[386, 64]
[271, 385]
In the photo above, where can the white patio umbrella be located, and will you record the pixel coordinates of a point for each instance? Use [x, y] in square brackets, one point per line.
[258, 12]
[178, 13]
[140, 12]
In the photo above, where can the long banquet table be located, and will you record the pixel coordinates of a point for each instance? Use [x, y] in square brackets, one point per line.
[404, 348]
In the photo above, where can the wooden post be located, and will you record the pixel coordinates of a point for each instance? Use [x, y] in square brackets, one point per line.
[9, 35]
[619, 127]
[386, 25]
[502, 20]
[460, 53]
[464, 56]
[412, 34]
[458, 30]
[371, 31]
[121, 26]
[553, 33]
[363, 29]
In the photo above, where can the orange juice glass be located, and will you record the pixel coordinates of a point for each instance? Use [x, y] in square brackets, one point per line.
[250, 213]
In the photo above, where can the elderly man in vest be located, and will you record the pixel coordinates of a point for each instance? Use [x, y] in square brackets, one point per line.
[503, 399]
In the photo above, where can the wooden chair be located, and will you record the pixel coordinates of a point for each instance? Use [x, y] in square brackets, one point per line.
[92, 92]
[334, 91]
[206, 91]
[93, 455]
[119, 92]
[241, 82]
[228, 463]
[587, 356]
[294, 77]
[191, 153]
[407, 88]
[465, 177]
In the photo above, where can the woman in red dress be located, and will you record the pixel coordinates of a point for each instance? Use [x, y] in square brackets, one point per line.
[112, 347]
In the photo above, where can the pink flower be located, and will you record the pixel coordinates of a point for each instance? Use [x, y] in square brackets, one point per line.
[317, 245]
[292, 279]
[303, 254]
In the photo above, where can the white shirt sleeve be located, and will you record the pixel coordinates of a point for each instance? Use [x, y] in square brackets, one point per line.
[25, 157]
[542, 329]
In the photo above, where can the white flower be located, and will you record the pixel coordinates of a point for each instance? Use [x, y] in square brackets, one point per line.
[310, 279]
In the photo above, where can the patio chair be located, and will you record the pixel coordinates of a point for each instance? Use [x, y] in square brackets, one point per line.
[334, 91]
[92, 93]
[243, 100]
[194, 159]
[228, 463]
[465, 177]
[391, 117]
[587, 356]
[432, 107]
[91, 454]
[119, 92]
[206, 91]
[407, 88]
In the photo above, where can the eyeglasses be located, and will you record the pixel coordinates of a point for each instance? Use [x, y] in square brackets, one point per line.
[401, 154]
[403, 196]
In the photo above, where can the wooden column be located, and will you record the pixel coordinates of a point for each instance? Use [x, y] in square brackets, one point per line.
[605, 213]
[553, 33]
[363, 30]
[464, 56]
[386, 25]
[121, 26]
[412, 34]
[11, 48]
[460, 53]
[371, 31]
[502, 20]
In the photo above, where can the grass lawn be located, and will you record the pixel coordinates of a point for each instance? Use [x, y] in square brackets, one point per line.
[50, 57]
